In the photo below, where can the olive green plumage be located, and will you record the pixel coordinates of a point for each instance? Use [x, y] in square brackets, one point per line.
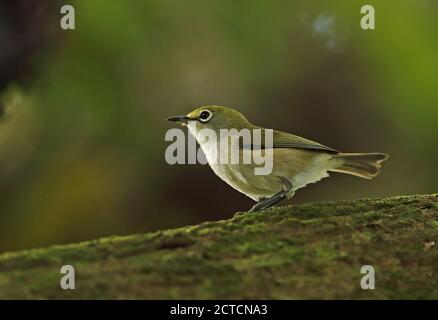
[296, 161]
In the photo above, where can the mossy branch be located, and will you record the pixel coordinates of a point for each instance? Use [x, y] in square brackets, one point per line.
[305, 251]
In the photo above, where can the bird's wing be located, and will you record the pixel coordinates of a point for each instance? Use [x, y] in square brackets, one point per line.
[287, 140]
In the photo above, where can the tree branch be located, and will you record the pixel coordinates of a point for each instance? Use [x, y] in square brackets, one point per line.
[305, 251]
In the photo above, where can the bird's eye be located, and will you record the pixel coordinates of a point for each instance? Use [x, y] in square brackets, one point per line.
[205, 116]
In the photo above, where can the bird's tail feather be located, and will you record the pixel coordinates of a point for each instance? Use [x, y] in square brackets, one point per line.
[363, 165]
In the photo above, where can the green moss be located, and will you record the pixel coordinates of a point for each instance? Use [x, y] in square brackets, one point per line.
[306, 251]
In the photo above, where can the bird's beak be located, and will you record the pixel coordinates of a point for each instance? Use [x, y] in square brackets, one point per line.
[180, 119]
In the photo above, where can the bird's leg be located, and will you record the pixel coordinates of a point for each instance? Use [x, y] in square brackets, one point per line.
[276, 198]
[269, 202]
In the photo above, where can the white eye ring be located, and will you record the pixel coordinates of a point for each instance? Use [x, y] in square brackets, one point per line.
[204, 118]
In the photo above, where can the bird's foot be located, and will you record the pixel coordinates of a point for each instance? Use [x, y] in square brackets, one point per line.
[269, 202]
[257, 207]
[238, 214]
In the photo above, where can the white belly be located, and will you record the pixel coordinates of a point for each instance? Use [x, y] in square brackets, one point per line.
[298, 167]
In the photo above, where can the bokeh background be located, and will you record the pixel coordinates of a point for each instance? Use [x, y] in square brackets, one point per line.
[82, 131]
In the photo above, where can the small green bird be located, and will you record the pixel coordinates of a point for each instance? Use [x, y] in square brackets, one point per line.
[296, 161]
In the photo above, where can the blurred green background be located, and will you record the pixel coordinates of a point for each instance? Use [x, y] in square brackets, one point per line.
[82, 151]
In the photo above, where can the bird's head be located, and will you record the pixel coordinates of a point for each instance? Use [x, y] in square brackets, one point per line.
[214, 117]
